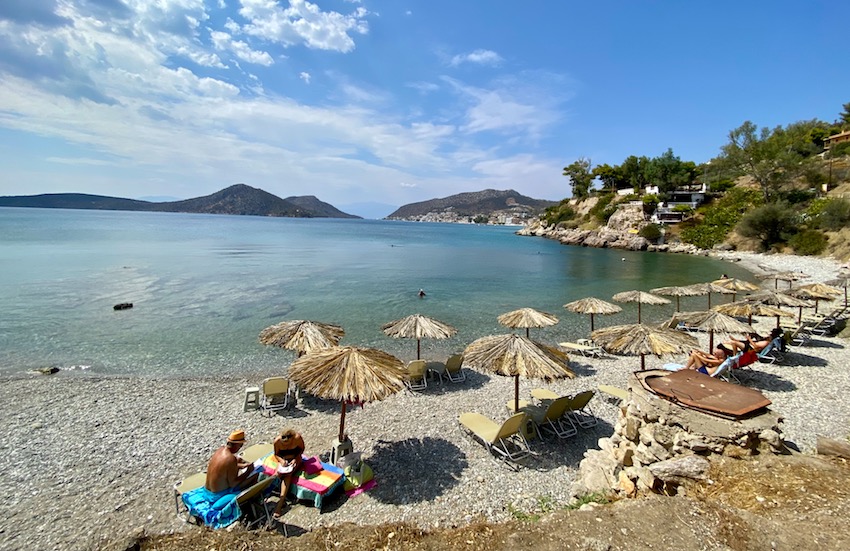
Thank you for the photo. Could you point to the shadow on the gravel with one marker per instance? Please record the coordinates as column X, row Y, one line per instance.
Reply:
column 798, row 359
column 551, row 452
column 474, row 379
column 308, row 401
column 767, row 381
column 582, row 369
column 817, row 343
column 414, row 470
column 288, row 530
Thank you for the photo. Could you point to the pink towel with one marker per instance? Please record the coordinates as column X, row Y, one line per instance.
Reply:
column 312, row 465
column 357, row 491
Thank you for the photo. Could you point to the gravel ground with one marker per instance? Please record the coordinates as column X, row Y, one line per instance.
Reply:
column 92, row 458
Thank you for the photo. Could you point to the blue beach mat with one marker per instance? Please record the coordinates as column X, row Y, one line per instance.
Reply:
column 215, row 509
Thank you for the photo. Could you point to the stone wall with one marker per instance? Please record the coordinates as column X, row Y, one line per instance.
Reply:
column 657, row 445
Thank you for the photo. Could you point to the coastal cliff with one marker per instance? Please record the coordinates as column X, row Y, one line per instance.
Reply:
column 621, row 232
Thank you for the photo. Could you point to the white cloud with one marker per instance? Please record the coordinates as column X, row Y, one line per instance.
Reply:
column 224, row 42
column 303, row 23
column 478, row 57
column 305, row 77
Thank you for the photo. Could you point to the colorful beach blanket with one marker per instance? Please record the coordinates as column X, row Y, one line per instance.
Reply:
column 313, row 483
column 215, row 509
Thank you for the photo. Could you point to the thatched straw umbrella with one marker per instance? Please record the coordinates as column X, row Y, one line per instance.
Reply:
column 816, row 292
column 592, row 306
column 749, row 309
column 641, row 297
column 418, row 327
column 348, row 374
column 707, row 289
column 527, row 317
column 841, row 282
column 639, row 340
column 790, row 277
column 711, row 321
column 302, row 336
column 780, row 299
column 686, row 291
column 513, row 355
column 735, row 285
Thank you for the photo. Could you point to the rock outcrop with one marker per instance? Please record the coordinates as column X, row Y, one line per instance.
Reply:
column 659, row 445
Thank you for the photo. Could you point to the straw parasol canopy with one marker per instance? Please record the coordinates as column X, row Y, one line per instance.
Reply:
column 780, row 299
column 639, row 340
column 686, row 291
column 302, row 336
column 527, row 317
column 749, row 309
column 711, row 321
column 841, row 282
column 817, row 292
column 592, row 306
column 348, row 374
column 418, row 327
column 735, row 285
column 513, row 355
column 790, row 277
column 641, row 297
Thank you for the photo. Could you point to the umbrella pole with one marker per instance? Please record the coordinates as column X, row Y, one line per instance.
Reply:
column 516, row 393
column 799, row 315
column 526, row 333
column 777, row 322
column 638, row 311
column 342, row 423
column 417, row 349
column 677, row 303
column 709, row 300
column 591, row 314
column 642, row 362
column 711, row 340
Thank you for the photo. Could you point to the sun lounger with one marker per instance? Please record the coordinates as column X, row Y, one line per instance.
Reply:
column 256, row 451
column 436, row 368
column 772, row 353
column 416, row 377
column 189, row 483
column 591, row 350
column 454, row 368
column 505, row 439
column 275, row 394
column 578, row 408
column 617, row 394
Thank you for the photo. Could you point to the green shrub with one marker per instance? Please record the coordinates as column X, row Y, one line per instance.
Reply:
column 839, row 150
column 809, row 242
column 687, row 209
column 651, row 232
column 603, row 209
column 559, row 213
column 795, row 196
column 721, row 186
column 834, row 214
column 719, row 218
column 772, row 224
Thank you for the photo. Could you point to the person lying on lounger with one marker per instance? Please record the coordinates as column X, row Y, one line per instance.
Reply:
column 288, row 448
column 707, row 363
column 224, row 466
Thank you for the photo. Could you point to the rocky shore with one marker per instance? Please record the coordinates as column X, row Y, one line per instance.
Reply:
column 90, row 460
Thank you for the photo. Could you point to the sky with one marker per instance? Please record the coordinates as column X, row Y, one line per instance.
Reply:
column 373, row 104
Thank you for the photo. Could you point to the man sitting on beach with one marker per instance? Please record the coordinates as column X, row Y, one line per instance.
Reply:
column 288, row 448
column 707, row 363
column 224, row 466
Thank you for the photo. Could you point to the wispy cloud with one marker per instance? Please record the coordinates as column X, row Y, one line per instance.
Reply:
column 477, row 57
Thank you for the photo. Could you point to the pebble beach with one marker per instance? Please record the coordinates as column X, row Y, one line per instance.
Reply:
column 91, row 459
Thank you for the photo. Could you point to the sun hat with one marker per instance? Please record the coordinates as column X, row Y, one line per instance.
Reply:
column 237, row 437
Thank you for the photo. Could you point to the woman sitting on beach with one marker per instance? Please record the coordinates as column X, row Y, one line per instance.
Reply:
column 288, row 448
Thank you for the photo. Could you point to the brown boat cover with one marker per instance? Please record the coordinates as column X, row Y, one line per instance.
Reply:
column 697, row 390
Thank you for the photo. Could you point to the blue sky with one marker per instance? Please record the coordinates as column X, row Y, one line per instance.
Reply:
column 393, row 101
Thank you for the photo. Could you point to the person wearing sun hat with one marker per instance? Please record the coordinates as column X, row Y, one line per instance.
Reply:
column 224, row 466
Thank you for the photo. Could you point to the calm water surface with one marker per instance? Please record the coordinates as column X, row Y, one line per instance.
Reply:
column 204, row 286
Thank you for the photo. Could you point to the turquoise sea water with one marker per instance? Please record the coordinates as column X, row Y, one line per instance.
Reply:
column 204, row 286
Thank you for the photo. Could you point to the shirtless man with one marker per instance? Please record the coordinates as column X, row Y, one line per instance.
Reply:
column 288, row 448
column 224, row 466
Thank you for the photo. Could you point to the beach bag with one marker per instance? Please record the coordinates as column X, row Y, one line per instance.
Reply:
column 357, row 474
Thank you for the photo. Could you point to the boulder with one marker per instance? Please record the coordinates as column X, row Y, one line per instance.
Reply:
column 680, row 469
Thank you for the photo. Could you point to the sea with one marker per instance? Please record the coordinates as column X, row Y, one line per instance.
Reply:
column 204, row 286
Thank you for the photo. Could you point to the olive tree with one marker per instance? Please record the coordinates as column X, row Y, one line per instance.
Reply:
column 580, row 177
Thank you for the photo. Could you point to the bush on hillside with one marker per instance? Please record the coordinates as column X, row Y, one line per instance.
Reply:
column 603, row 209
column 561, row 212
column 834, row 214
column 719, row 218
column 772, row 224
column 721, row 186
column 839, row 150
column 651, row 232
column 809, row 242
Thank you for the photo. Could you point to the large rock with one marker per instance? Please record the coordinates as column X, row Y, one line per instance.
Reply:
column 689, row 467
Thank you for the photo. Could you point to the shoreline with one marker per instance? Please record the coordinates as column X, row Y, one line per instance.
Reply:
column 126, row 439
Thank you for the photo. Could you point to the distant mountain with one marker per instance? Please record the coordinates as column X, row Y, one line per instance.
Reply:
column 319, row 209
column 237, row 199
column 158, row 198
column 469, row 205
